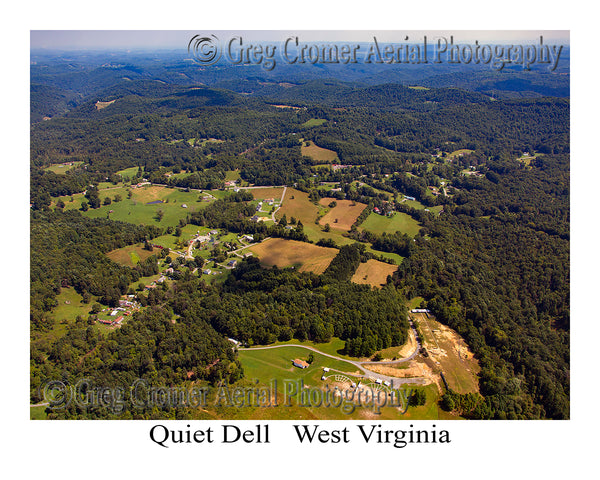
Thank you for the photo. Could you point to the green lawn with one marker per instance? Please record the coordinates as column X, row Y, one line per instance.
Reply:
column 69, row 306
column 274, row 367
column 394, row 256
column 314, row 122
column 138, row 210
column 60, row 169
column 38, row 413
column 398, row 222
column 276, row 363
column 128, row 173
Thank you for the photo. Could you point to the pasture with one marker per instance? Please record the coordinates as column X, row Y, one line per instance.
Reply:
column 128, row 173
column 343, row 215
column 130, row 255
column 318, row 154
column 373, row 273
column 143, row 206
column 314, row 122
column 267, row 192
column 306, row 257
column 61, row 168
column 296, row 204
column 458, row 153
column 399, row 222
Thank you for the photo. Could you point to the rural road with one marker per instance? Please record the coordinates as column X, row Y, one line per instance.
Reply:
column 361, row 365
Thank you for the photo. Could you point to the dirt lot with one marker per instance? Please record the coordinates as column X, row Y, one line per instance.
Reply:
column 449, row 353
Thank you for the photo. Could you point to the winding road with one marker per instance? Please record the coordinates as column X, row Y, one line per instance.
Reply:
column 367, row 374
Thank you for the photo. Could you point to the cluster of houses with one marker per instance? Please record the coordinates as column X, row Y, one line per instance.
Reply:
column 140, row 184
column 126, row 307
column 337, row 166
column 385, row 210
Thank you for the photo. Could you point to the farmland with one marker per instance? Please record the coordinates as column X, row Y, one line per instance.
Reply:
column 318, row 154
column 145, row 203
column 297, row 204
column 343, row 215
column 373, row 272
column 399, row 222
column 129, row 256
column 290, row 253
column 61, row 168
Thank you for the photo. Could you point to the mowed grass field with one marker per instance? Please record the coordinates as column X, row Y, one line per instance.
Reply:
column 128, row 173
column 343, row 215
column 130, row 255
column 60, row 169
column 273, row 368
column 306, row 257
column 314, row 122
column 137, row 209
column 373, row 272
column 318, row 154
column 296, row 204
column 398, row 222
column 458, row 153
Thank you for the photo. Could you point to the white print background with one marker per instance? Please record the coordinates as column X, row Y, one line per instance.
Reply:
column 87, row 449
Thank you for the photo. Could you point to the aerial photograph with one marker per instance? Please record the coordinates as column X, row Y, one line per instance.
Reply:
column 304, row 225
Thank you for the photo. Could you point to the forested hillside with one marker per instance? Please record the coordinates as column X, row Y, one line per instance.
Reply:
column 466, row 192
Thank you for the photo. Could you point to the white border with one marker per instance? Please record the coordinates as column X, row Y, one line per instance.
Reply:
column 479, row 449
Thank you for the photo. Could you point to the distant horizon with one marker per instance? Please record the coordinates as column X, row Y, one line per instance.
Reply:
column 168, row 40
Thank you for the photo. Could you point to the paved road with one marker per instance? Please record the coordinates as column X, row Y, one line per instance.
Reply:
column 280, row 204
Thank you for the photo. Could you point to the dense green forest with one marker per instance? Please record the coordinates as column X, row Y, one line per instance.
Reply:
column 491, row 261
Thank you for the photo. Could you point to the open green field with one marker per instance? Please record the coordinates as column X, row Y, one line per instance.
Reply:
column 318, row 154
column 398, row 222
column 138, row 210
column 128, row 173
column 458, row 153
column 59, row 168
column 232, row 175
column 38, row 413
column 394, row 256
column 273, row 367
column 314, row 122
column 277, row 363
column 414, row 204
column 69, row 306
column 170, row 241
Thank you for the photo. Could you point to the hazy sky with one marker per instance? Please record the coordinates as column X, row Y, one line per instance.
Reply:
column 175, row 39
